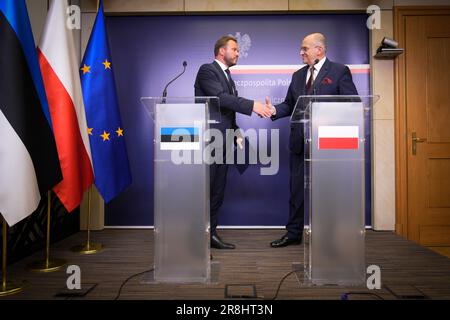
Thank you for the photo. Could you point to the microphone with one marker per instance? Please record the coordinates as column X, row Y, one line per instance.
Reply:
column 165, row 88
column 314, row 84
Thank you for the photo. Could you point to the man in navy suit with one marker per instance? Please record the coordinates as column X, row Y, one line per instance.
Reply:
column 320, row 76
column 214, row 79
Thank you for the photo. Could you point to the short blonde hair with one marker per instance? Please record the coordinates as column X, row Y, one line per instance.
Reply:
column 222, row 42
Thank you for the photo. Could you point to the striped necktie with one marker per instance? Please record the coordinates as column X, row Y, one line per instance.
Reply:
column 311, row 79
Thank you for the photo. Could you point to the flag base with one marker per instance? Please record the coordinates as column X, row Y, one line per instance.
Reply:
column 11, row 288
column 49, row 265
column 87, row 248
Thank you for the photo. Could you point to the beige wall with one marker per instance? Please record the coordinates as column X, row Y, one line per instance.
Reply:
column 37, row 10
column 211, row 6
column 382, row 72
column 383, row 157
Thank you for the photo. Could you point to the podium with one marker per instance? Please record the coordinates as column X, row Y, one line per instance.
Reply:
column 181, row 187
column 334, row 234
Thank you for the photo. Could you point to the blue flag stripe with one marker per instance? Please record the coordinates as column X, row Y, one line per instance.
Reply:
column 16, row 13
column 179, row 130
column 21, row 106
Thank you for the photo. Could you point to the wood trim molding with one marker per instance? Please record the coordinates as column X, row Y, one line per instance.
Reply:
column 401, row 139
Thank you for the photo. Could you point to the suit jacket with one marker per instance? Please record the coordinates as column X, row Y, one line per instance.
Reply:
column 333, row 79
column 211, row 81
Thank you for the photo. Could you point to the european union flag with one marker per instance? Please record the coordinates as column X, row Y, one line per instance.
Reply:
column 106, row 133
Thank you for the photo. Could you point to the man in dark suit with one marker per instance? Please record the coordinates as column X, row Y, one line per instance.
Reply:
column 214, row 79
column 320, row 76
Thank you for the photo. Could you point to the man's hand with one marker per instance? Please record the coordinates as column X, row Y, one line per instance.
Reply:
column 239, row 142
column 263, row 110
column 270, row 106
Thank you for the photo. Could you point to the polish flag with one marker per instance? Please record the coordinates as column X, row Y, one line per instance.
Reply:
column 338, row 137
column 59, row 67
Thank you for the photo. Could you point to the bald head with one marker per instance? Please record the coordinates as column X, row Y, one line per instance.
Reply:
column 317, row 39
column 313, row 47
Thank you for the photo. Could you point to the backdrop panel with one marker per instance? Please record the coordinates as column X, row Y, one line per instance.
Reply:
column 148, row 51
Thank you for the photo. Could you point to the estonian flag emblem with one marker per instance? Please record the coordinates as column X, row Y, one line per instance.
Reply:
column 180, row 138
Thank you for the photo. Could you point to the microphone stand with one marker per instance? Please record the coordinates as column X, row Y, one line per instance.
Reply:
column 165, row 88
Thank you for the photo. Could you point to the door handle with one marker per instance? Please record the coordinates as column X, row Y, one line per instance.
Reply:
column 415, row 141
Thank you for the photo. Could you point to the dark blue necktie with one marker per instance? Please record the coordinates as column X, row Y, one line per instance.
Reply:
column 230, row 81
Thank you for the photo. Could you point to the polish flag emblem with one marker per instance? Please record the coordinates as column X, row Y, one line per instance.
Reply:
column 338, row 137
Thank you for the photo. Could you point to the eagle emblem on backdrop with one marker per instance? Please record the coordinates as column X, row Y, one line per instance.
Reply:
column 244, row 42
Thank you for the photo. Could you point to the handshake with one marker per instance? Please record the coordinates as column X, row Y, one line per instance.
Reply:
column 264, row 110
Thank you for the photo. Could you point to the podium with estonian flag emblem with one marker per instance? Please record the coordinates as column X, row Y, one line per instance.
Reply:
column 181, row 187
column 335, row 187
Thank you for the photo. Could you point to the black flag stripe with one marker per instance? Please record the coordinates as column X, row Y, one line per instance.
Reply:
column 19, row 102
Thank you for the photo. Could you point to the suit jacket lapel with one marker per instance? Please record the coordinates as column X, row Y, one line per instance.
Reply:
column 303, row 76
column 224, row 78
column 321, row 75
column 233, row 86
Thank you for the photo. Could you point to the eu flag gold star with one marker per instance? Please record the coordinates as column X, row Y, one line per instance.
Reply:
column 90, row 131
column 119, row 132
column 107, row 64
column 86, row 69
column 105, row 136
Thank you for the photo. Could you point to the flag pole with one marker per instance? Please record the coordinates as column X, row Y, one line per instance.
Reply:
column 7, row 287
column 88, row 247
column 47, row 265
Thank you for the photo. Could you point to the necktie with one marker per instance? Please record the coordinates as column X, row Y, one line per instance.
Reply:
column 229, row 80
column 311, row 79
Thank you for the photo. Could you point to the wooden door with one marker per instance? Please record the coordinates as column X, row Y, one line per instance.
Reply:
column 427, row 103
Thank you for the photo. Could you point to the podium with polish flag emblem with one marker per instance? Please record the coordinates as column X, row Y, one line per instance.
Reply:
column 336, row 132
column 181, row 188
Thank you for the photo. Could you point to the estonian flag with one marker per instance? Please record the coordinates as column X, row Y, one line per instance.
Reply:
column 29, row 165
column 180, row 138
column 106, row 132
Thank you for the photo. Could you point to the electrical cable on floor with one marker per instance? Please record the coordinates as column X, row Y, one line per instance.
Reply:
column 345, row 295
column 128, row 279
column 278, row 289
column 281, row 282
column 420, row 296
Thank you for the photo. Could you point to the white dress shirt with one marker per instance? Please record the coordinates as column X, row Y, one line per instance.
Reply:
column 224, row 67
column 317, row 68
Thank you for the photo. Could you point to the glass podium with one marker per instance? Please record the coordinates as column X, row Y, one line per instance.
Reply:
column 181, row 187
column 334, row 234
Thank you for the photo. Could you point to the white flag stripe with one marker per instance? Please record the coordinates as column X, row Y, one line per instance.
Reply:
column 288, row 67
column 58, row 47
column 19, row 191
column 266, row 67
column 338, row 131
column 180, row 145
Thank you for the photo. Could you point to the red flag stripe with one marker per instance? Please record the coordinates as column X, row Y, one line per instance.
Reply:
column 338, row 143
column 283, row 71
column 74, row 159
